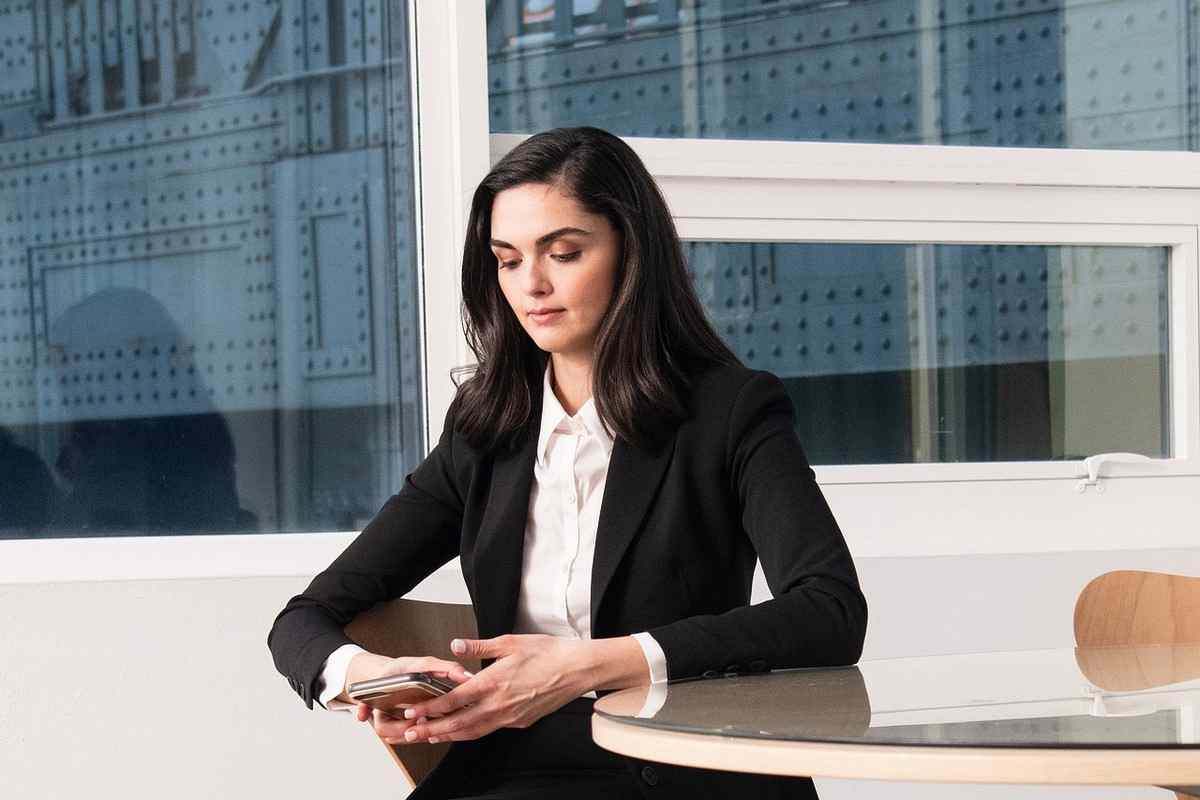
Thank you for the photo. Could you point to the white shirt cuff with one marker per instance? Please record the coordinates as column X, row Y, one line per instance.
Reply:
column 333, row 675
column 655, row 657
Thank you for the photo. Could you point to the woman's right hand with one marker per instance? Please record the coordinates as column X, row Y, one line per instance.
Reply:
column 365, row 666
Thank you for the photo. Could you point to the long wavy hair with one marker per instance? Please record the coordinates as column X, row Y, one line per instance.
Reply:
column 654, row 336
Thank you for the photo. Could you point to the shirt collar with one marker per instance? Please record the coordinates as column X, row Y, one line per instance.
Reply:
column 555, row 417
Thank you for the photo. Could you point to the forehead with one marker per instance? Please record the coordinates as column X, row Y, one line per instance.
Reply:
column 527, row 211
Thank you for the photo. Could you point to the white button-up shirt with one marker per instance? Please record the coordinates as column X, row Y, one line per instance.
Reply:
column 569, row 474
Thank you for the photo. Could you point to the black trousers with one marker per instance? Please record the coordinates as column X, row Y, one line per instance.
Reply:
column 556, row 758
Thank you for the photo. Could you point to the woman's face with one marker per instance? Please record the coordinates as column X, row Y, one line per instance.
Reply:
column 557, row 265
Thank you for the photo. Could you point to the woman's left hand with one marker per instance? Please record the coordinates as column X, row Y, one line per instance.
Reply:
column 533, row 675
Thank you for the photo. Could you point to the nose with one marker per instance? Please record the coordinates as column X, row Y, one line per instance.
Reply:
column 535, row 282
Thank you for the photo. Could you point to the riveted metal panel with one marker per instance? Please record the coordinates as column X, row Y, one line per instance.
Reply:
column 148, row 30
column 335, row 269
column 320, row 90
column 385, row 42
column 295, row 47
column 59, row 57
column 131, row 72
column 817, row 309
column 184, row 27
column 92, row 33
column 17, row 53
column 149, row 262
column 164, row 19
column 354, row 87
column 110, row 39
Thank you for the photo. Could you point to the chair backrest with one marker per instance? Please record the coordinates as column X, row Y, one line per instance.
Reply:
column 1130, row 607
column 415, row 628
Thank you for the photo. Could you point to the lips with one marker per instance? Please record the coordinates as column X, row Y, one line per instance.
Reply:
column 545, row 313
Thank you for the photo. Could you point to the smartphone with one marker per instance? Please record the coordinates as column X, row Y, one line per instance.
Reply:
column 398, row 691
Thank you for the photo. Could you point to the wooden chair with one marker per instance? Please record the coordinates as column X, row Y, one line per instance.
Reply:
column 411, row 628
column 1134, row 609
column 1128, row 608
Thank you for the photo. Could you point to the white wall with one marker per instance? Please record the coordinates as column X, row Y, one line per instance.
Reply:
column 151, row 689
column 144, row 686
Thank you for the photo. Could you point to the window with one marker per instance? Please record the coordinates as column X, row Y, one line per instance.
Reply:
column 209, row 302
column 900, row 353
column 1025, row 73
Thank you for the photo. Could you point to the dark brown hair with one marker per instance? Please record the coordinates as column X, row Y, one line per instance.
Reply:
column 654, row 336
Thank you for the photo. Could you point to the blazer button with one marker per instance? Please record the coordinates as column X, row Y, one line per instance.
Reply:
column 758, row 665
column 735, row 668
column 710, row 673
column 650, row 776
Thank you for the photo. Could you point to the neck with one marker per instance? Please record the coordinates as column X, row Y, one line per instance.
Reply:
column 571, row 379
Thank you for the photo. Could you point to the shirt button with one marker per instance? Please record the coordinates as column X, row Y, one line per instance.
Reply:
column 650, row 776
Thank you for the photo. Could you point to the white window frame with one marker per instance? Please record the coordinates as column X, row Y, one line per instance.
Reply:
column 885, row 510
column 722, row 190
column 448, row 82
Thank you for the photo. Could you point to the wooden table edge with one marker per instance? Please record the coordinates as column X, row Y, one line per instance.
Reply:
column 932, row 764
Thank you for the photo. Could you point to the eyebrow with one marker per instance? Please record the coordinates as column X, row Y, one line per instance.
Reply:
column 546, row 238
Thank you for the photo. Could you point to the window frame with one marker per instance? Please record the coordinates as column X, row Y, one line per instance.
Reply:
column 721, row 190
column 449, row 90
column 455, row 149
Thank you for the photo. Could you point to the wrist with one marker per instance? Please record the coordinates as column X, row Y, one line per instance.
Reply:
column 363, row 666
column 616, row 663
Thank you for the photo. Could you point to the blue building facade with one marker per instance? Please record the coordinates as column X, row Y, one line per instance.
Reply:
column 209, row 303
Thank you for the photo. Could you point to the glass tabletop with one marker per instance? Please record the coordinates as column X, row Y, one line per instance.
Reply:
column 1116, row 697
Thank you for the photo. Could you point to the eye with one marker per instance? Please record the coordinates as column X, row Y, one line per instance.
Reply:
column 507, row 264
column 565, row 256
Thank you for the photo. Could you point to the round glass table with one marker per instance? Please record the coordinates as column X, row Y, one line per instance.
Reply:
column 1111, row 715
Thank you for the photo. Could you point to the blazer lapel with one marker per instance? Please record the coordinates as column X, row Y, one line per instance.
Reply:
column 630, row 486
column 500, row 543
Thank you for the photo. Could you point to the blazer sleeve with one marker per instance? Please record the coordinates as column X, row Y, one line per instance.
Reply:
column 416, row 531
column 817, row 615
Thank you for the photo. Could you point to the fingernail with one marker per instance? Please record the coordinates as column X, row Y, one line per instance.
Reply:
column 458, row 646
column 409, row 713
column 410, row 736
column 468, row 674
column 433, row 740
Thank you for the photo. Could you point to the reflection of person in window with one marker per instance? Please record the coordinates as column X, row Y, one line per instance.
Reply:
column 608, row 525
column 27, row 490
column 156, row 475
column 170, row 474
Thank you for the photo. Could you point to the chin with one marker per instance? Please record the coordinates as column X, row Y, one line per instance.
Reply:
column 551, row 344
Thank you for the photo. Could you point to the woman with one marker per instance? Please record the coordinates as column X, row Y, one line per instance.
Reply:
column 609, row 475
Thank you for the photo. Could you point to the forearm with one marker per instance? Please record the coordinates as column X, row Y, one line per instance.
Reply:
column 821, row 624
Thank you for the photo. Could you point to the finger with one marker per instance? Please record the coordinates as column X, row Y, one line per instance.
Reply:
column 464, row 695
column 469, row 723
column 481, row 648
column 439, row 666
column 398, row 736
column 389, row 726
column 362, row 711
column 459, row 675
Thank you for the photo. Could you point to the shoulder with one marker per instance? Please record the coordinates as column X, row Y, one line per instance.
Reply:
column 723, row 387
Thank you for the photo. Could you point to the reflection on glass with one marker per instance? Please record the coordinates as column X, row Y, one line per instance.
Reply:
column 1030, row 698
column 1049, row 73
column 207, row 290
column 933, row 353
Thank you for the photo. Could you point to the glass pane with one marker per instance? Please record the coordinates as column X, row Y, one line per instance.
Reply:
column 898, row 353
column 208, row 309
column 1097, row 697
column 1030, row 73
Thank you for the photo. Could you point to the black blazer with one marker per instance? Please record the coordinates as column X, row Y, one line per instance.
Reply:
column 680, row 527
